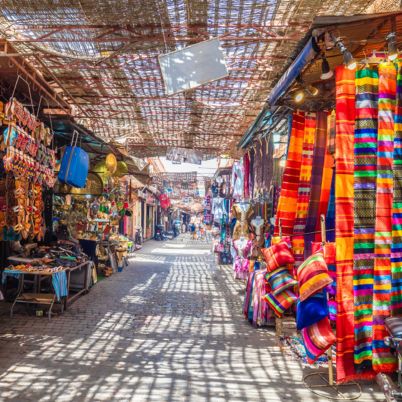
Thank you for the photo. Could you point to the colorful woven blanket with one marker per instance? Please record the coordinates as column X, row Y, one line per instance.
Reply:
column 365, row 175
column 304, row 191
column 396, row 247
column 327, row 185
column 288, row 198
column 344, row 156
column 383, row 360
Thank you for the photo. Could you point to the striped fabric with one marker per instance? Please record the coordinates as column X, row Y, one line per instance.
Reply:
column 329, row 251
column 278, row 255
column 288, row 198
column 328, row 184
column 396, row 248
column 313, row 276
column 365, row 150
column 316, row 196
column 344, row 193
column 304, row 191
column 281, row 302
column 247, row 304
column 317, row 338
column 280, row 280
column 383, row 360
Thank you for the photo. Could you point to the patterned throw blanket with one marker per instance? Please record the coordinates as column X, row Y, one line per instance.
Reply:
column 365, row 176
column 396, row 248
column 304, row 190
column 288, row 198
column 319, row 158
column 344, row 156
column 383, row 360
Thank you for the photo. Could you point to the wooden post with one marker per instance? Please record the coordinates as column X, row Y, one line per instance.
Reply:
column 329, row 351
column 279, row 321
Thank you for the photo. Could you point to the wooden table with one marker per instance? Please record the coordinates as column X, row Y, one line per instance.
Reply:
column 36, row 297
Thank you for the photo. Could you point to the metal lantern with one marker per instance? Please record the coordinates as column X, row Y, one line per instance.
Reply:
column 111, row 163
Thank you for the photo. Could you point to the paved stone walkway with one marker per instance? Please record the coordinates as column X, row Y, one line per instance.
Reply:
column 168, row 328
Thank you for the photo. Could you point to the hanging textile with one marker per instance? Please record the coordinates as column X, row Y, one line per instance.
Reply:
column 257, row 168
column 290, row 183
column 330, row 215
column 344, row 156
column 304, row 190
column 320, row 148
column 267, row 162
column 396, row 247
column 328, row 183
column 251, row 154
column 238, row 180
column 246, row 167
column 383, row 360
column 365, row 168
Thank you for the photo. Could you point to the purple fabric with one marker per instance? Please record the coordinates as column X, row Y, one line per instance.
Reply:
column 252, row 157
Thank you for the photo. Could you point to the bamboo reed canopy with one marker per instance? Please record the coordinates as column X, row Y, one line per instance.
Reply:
column 102, row 57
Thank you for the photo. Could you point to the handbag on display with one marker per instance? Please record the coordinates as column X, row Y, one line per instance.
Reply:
column 74, row 165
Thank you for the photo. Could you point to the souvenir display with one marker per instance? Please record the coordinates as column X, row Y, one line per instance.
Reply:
column 26, row 141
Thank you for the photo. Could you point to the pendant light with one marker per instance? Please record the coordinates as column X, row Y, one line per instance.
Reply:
column 348, row 59
column 326, row 72
column 392, row 49
column 299, row 96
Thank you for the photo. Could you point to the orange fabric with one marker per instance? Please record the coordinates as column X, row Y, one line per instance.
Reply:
column 287, row 204
column 344, row 193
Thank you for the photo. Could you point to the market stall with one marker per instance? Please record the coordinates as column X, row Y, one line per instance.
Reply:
column 332, row 260
column 50, row 274
column 95, row 215
column 47, row 197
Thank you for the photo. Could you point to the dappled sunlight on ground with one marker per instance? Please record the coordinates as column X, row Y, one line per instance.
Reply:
column 168, row 328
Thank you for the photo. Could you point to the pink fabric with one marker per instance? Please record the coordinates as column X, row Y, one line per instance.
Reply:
column 241, row 262
column 241, row 267
column 246, row 167
column 261, row 312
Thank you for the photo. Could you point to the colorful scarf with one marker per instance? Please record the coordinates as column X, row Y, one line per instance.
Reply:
column 345, row 122
column 396, row 247
column 320, row 151
column 365, row 172
column 304, row 191
column 257, row 168
column 267, row 162
column 328, row 183
column 287, row 203
column 383, row 360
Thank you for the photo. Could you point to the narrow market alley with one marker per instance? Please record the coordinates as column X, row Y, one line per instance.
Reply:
column 168, row 328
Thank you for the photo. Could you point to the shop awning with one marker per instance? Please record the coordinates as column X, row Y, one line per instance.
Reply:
column 361, row 34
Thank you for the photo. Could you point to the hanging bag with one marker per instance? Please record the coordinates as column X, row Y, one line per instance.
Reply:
column 74, row 165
